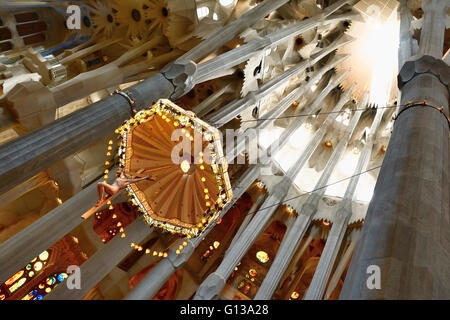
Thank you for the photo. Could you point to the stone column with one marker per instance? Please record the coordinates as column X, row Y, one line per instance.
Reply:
column 212, row 101
column 157, row 277
column 342, row 264
column 26, row 156
column 292, row 269
column 326, row 262
column 21, row 248
column 433, row 28
column 296, row 94
column 342, row 216
column 286, row 102
column 298, row 121
column 295, row 234
column 407, row 219
column 214, row 283
column 21, row 189
column 208, row 69
column 227, row 33
column 36, row 151
column 102, row 262
column 236, row 107
column 407, row 45
column 247, row 218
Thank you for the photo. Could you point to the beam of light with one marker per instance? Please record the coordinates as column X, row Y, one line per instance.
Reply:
column 381, row 49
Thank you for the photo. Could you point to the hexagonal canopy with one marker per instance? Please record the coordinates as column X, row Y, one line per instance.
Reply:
column 184, row 154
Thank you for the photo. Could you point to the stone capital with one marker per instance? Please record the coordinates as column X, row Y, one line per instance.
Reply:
column 181, row 74
column 436, row 5
column 308, row 209
column 178, row 260
column 425, row 64
column 282, row 188
column 211, row 287
column 31, row 103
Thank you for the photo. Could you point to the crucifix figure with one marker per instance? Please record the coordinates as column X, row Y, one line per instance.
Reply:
column 119, row 184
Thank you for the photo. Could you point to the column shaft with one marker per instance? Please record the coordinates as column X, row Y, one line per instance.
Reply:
column 294, row 235
column 406, row 42
column 433, row 28
column 236, row 107
column 298, row 121
column 247, row 219
column 36, row 151
column 21, row 248
column 102, row 262
column 408, row 215
column 342, row 264
column 292, row 269
column 326, row 262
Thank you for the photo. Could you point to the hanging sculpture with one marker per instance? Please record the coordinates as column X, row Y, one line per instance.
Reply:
column 176, row 172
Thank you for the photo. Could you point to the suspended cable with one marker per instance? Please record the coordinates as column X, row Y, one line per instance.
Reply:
column 314, row 114
column 315, row 190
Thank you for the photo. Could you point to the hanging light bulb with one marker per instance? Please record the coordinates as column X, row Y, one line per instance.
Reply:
column 185, row 166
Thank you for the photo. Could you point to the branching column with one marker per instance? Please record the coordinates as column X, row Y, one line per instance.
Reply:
column 208, row 70
column 21, row 248
column 215, row 282
column 102, row 262
column 309, row 208
column 26, row 156
column 287, row 101
column 293, row 268
column 236, row 107
column 259, row 201
column 343, row 262
column 298, row 121
column 341, row 218
column 406, row 224
column 407, row 45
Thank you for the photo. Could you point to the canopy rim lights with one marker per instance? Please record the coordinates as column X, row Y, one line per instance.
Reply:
column 215, row 171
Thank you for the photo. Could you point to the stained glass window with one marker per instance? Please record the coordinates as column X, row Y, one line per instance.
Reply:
column 46, row 286
column 30, row 271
